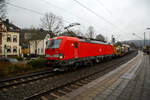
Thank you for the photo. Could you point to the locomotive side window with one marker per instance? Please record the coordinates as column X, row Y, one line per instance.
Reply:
column 53, row 43
column 76, row 45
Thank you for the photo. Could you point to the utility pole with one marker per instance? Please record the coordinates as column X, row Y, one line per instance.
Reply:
column 144, row 39
column 149, row 34
column 149, row 40
column 139, row 38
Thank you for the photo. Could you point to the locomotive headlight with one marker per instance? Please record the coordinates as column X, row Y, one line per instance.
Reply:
column 61, row 56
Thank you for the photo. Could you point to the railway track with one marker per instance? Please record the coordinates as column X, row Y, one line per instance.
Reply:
column 64, row 88
column 25, row 79
column 55, row 84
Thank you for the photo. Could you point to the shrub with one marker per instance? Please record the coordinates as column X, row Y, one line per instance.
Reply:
column 7, row 68
column 10, row 69
column 19, row 58
column 39, row 62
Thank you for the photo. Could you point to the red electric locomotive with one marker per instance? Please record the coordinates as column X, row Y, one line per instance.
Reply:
column 64, row 50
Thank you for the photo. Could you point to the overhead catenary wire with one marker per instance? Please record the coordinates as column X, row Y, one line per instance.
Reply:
column 104, row 7
column 27, row 9
column 101, row 3
column 60, row 8
column 30, row 10
column 100, row 17
column 66, row 11
column 90, row 10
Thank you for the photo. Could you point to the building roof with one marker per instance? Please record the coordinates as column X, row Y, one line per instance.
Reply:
column 9, row 26
column 35, row 34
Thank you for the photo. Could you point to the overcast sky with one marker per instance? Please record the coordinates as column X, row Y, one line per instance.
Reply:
column 122, row 17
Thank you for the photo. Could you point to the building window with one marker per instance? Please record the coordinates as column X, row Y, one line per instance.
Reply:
column 8, row 49
column 41, row 50
column 8, row 38
column 0, row 49
column 15, row 49
column 15, row 38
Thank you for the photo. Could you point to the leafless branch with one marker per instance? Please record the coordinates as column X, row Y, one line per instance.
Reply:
column 91, row 32
column 52, row 23
column 2, row 9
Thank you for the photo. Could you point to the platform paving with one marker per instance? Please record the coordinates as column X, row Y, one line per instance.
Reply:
column 131, row 81
column 139, row 87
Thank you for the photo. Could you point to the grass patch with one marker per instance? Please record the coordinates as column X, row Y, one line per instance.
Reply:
column 8, row 69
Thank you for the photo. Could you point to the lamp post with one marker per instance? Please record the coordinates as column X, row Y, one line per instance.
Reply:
column 144, row 39
column 148, row 29
column 139, row 38
column 149, row 38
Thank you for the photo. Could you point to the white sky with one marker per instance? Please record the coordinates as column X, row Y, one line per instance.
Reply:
column 128, row 16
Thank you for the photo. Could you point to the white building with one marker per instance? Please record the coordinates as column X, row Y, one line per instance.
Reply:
column 38, row 46
column 9, row 39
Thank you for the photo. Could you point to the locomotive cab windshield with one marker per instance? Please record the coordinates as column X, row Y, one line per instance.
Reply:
column 53, row 43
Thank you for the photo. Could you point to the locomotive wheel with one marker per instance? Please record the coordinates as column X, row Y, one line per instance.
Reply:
column 97, row 60
column 91, row 63
column 75, row 66
column 69, row 67
column 85, row 63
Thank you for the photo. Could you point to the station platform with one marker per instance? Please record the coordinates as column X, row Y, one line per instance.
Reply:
column 130, row 81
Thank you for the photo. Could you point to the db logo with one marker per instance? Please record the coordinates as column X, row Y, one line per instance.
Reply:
column 100, row 50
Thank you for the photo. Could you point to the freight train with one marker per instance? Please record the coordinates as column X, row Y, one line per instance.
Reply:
column 67, row 53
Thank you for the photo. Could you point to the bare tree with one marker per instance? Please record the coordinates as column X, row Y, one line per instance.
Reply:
column 52, row 23
column 2, row 9
column 106, row 39
column 100, row 38
column 79, row 33
column 91, row 32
